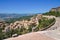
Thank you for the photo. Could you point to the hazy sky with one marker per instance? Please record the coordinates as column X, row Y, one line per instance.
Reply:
column 27, row 6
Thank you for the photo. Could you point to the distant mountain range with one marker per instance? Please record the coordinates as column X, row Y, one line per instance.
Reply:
column 10, row 16
column 13, row 15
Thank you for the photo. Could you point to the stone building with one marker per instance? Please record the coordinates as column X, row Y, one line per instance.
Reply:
column 58, row 9
column 55, row 9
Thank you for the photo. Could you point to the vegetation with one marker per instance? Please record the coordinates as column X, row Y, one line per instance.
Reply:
column 44, row 23
column 1, row 35
column 57, row 14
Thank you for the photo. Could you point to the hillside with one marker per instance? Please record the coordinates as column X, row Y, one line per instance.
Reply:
column 25, row 24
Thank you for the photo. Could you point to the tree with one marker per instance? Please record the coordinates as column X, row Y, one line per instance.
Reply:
column 1, row 34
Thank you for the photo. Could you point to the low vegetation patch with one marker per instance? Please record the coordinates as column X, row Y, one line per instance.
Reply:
column 57, row 14
column 45, row 23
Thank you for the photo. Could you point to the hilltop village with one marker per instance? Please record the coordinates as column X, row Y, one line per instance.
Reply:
column 24, row 23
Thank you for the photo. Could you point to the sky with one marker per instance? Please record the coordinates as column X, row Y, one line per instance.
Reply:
column 27, row 6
